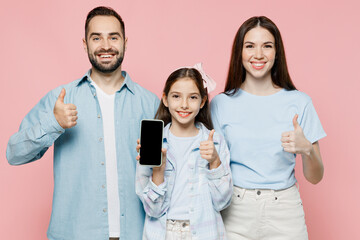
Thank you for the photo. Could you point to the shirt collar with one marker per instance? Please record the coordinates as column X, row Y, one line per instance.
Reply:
column 128, row 83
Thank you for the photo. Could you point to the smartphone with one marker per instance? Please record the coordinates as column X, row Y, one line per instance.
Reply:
column 151, row 139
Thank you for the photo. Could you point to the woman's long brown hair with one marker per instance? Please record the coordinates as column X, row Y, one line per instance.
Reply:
column 237, row 73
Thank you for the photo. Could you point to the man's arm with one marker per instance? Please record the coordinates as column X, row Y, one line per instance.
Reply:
column 40, row 128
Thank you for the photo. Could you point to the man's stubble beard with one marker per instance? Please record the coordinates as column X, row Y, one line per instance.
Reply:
column 106, row 68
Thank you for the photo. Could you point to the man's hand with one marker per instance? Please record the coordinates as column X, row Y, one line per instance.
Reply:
column 65, row 114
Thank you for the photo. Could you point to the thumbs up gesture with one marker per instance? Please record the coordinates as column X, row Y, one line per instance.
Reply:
column 65, row 114
column 208, row 151
column 295, row 141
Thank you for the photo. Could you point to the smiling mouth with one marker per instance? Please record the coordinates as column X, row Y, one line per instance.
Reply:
column 258, row 65
column 184, row 114
column 106, row 56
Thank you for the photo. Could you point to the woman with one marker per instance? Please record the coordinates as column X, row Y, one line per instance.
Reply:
column 266, row 122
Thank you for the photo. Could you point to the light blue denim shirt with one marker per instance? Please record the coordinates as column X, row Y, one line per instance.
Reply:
column 79, row 202
column 210, row 191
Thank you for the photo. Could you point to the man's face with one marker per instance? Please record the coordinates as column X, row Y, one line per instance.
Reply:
column 105, row 43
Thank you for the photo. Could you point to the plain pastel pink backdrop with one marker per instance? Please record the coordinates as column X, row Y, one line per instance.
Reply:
column 41, row 48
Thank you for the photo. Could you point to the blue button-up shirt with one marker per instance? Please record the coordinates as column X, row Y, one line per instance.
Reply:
column 79, row 202
column 209, row 191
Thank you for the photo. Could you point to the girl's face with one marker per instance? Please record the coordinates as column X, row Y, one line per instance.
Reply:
column 184, row 102
column 258, row 54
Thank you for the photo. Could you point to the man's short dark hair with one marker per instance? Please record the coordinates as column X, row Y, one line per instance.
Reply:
column 103, row 11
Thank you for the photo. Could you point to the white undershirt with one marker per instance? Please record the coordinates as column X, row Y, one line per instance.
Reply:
column 107, row 111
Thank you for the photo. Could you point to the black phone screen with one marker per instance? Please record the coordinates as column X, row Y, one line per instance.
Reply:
column 151, row 139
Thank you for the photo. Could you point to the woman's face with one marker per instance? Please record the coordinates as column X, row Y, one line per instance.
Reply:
column 258, row 54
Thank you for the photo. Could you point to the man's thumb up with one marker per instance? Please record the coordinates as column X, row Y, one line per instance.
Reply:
column 65, row 114
column 61, row 95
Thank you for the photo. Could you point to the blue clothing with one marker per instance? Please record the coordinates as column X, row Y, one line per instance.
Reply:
column 252, row 126
column 209, row 191
column 79, row 209
column 179, row 202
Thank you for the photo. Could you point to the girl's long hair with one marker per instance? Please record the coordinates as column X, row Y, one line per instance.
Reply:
column 203, row 116
column 237, row 73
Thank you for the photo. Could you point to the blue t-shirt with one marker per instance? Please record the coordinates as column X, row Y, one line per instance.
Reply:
column 180, row 201
column 252, row 126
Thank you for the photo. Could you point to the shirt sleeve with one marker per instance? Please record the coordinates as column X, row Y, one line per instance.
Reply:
column 156, row 105
column 215, row 116
column 311, row 125
column 220, row 179
column 153, row 197
column 38, row 131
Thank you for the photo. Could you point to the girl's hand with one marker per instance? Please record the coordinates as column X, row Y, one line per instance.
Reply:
column 208, row 151
column 138, row 149
column 158, row 172
column 163, row 150
column 163, row 162
column 295, row 141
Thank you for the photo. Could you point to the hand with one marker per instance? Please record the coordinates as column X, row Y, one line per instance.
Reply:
column 295, row 141
column 208, row 151
column 65, row 114
column 155, row 169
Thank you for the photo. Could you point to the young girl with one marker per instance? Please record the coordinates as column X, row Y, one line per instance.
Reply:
column 272, row 122
column 182, row 198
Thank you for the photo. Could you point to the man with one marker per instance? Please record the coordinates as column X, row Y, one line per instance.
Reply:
column 93, row 123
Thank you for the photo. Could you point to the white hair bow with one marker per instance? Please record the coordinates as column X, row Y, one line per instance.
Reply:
column 209, row 83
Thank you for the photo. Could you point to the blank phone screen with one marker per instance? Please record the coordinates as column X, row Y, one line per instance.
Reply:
column 151, row 142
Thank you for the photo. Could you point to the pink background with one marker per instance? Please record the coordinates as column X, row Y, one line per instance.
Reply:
column 41, row 48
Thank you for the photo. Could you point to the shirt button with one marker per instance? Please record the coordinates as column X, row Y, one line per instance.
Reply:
column 103, row 186
column 100, row 139
column 258, row 192
column 102, row 163
column 94, row 94
column 104, row 210
column 99, row 116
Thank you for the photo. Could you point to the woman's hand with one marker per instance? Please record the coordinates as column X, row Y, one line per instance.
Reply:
column 295, row 141
column 208, row 151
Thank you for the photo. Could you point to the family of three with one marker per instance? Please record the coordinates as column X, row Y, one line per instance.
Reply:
column 228, row 166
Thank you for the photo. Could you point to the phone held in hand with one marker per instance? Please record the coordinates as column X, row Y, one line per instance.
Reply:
column 151, row 139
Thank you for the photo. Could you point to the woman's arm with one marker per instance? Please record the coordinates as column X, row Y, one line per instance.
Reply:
column 296, row 142
column 313, row 167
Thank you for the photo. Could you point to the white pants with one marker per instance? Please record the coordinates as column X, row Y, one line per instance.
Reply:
column 265, row 214
column 178, row 230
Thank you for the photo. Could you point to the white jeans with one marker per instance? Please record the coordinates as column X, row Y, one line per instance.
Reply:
column 178, row 230
column 265, row 214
